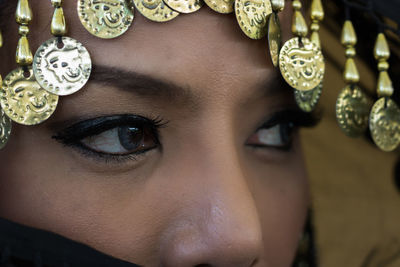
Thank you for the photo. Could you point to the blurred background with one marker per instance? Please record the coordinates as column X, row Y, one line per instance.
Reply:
column 356, row 201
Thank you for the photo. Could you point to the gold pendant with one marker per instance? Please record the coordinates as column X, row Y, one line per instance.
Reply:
column 352, row 111
column 106, row 18
column 252, row 16
column 155, row 10
column 5, row 129
column 274, row 38
column 384, row 123
column 24, row 101
column 221, row 6
column 62, row 71
column 184, row 6
column 308, row 100
column 302, row 65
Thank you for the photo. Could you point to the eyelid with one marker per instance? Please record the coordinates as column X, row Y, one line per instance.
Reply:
column 86, row 128
column 295, row 116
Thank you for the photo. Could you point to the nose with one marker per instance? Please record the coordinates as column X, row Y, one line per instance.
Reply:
column 219, row 225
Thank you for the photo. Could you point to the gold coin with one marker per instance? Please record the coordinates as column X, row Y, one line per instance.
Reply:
column 252, row 16
column 24, row 101
column 184, row 6
column 384, row 124
column 106, row 18
column 5, row 128
column 302, row 64
column 155, row 10
column 308, row 100
column 274, row 38
column 221, row 6
column 352, row 111
column 62, row 71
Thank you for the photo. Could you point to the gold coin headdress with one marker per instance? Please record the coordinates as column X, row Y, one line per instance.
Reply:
column 23, row 100
column 62, row 65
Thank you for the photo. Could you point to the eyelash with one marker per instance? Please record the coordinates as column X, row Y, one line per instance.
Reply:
column 291, row 118
column 73, row 135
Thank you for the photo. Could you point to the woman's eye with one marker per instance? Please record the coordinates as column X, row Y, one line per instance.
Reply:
column 122, row 140
column 278, row 136
column 116, row 137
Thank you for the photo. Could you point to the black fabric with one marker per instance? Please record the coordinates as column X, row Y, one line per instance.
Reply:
column 24, row 246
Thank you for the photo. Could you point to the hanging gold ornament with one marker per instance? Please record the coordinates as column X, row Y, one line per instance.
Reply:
column 62, row 71
column 21, row 97
column 301, row 61
column 274, row 38
column 105, row 18
column 302, row 64
column 62, row 65
column 352, row 105
column 252, row 16
column 317, row 15
column 384, row 120
column 184, row 6
column 5, row 129
column 308, row 100
column 155, row 10
column 385, row 124
column 23, row 100
column 221, row 6
column 352, row 111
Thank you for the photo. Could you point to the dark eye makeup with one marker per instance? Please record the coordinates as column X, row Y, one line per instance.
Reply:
column 280, row 128
column 125, row 137
column 135, row 134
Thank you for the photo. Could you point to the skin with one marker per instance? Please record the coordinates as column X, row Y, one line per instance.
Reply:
column 205, row 197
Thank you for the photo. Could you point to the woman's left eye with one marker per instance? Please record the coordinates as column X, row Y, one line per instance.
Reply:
column 277, row 136
column 121, row 140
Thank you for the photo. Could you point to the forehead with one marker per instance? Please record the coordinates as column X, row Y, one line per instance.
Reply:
column 198, row 50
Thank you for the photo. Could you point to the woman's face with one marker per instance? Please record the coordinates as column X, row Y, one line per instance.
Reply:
column 180, row 150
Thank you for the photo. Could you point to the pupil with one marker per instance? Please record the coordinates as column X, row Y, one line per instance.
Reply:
column 131, row 138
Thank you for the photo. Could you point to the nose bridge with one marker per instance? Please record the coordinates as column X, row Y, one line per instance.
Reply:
column 220, row 226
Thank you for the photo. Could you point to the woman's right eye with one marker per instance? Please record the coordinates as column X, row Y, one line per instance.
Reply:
column 122, row 140
column 113, row 136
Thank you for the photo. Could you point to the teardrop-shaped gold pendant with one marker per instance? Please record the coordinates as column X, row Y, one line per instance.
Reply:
column 274, row 38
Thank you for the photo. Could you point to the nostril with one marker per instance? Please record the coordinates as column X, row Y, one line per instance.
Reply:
column 203, row 265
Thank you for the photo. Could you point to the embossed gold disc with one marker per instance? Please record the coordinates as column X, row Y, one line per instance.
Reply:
column 384, row 124
column 62, row 71
column 252, row 16
column 274, row 38
column 106, row 18
column 24, row 101
column 5, row 129
column 308, row 100
column 221, row 6
column 155, row 10
column 352, row 111
column 302, row 67
column 184, row 6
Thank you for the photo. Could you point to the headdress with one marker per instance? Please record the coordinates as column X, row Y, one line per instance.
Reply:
column 62, row 66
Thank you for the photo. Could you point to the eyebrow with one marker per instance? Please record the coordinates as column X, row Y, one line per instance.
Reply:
column 152, row 87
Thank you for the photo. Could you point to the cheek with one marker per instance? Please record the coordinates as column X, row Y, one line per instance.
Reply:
column 282, row 199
